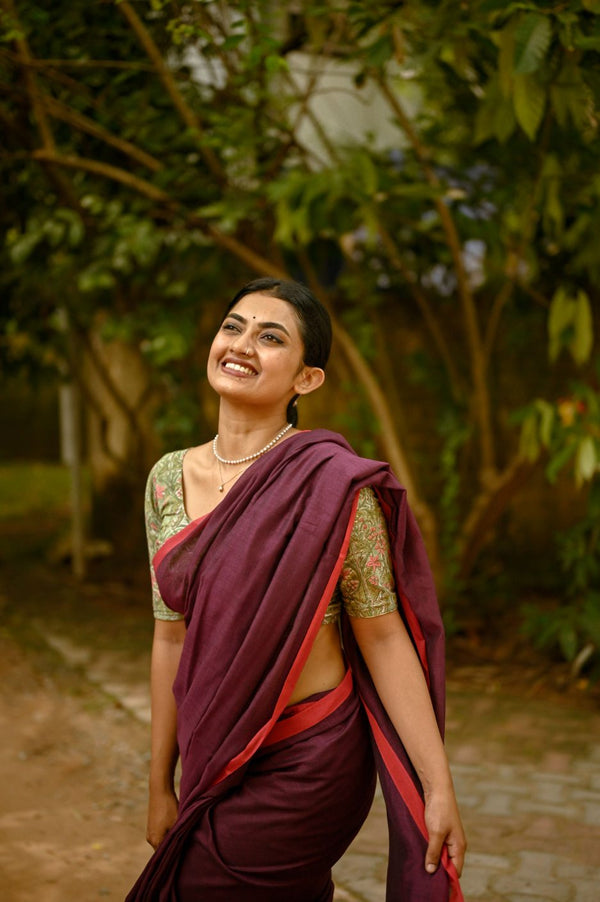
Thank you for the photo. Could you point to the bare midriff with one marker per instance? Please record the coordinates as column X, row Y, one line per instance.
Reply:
column 325, row 666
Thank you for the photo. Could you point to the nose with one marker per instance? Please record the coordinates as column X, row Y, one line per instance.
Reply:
column 241, row 344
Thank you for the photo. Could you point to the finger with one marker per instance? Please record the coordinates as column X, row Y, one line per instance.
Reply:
column 434, row 850
column 456, row 852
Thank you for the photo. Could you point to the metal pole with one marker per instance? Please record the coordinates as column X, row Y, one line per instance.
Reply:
column 70, row 435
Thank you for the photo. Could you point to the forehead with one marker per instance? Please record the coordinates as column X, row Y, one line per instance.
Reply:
column 264, row 308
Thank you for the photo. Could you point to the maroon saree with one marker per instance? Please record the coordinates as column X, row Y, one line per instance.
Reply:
column 271, row 796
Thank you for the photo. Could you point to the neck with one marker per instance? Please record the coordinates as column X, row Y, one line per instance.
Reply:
column 241, row 436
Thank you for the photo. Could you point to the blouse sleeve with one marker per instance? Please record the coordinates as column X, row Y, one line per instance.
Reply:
column 153, row 524
column 367, row 581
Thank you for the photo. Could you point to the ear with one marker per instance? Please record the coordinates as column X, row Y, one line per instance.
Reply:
column 308, row 380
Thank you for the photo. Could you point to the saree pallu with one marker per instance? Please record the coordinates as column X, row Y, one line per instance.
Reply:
column 253, row 581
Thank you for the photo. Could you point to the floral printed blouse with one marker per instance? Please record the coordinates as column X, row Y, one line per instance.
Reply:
column 365, row 587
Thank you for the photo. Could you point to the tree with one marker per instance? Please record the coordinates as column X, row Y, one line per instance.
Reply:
column 159, row 152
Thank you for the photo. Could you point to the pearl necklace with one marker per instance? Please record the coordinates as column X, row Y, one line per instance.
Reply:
column 242, row 460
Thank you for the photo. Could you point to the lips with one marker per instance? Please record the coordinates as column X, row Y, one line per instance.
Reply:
column 232, row 366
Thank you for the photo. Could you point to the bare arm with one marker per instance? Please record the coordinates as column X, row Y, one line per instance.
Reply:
column 398, row 677
column 166, row 652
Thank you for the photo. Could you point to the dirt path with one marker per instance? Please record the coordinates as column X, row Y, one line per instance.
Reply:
column 72, row 787
column 74, row 758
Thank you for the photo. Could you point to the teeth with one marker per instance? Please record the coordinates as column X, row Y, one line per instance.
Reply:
column 239, row 369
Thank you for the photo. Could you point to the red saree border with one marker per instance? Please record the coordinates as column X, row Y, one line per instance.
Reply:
column 173, row 541
column 308, row 714
column 296, row 668
column 414, row 628
column 411, row 798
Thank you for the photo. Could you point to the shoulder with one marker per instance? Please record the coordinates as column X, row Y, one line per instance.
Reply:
column 336, row 454
column 326, row 445
column 165, row 471
column 168, row 461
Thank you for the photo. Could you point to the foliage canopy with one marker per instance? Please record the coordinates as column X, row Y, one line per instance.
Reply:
column 430, row 167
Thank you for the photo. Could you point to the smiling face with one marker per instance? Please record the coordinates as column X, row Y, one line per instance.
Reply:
column 257, row 356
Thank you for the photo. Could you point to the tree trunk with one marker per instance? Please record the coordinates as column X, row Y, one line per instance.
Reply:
column 121, row 441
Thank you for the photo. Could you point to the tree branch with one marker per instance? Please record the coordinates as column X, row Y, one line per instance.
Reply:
column 147, row 189
column 84, row 64
column 320, row 131
column 70, row 161
column 515, row 256
column 66, row 114
column 487, row 509
column 481, row 399
column 33, row 92
column 186, row 113
column 292, row 139
column 493, row 323
column 39, row 113
column 426, row 311
column 77, row 86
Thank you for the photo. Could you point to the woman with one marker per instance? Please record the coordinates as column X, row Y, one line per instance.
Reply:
column 297, row 644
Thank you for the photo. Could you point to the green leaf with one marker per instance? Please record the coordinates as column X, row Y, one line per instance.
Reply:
column 275, row 63
column 484, row 121
column 415, row 190
column 380, row 51
column 75, row 227
column 504, row 121
column 570, row 325
column 495, row 116
column 232, row 41
column 570, row 97
column 567, row 639
column 553, row 209
column 529, row 445
column 586, row 460
column 560, row 318
column 560, row 100
column 367, row 173
column 170, row 345
column 560, row 460
column 583, row 339
column 532, row 39
column 95, row 279
column 546, row 414
column 587, row 42
column 506, row 56
column 284, row 228
column 529, row 100
column 21, row 249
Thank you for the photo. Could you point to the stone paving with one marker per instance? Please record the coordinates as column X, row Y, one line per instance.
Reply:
column 527, row 776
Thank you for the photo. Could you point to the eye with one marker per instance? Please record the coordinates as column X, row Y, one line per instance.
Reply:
column 270, row 337
column 230, row 327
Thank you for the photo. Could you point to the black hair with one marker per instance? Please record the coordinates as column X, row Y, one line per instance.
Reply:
column 313, row 319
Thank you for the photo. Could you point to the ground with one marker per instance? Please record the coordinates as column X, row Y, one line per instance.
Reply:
column 72, row 785
column 74, row 755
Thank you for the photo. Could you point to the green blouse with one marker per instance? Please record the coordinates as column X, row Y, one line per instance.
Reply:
column 366, row 585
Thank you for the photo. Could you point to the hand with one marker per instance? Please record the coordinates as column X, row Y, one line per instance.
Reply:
column 162, row 814
column 444, row 826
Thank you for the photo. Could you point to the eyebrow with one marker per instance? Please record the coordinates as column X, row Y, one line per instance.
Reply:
column 266, row 325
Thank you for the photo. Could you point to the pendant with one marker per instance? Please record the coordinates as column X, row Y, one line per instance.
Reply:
column 220, row 488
